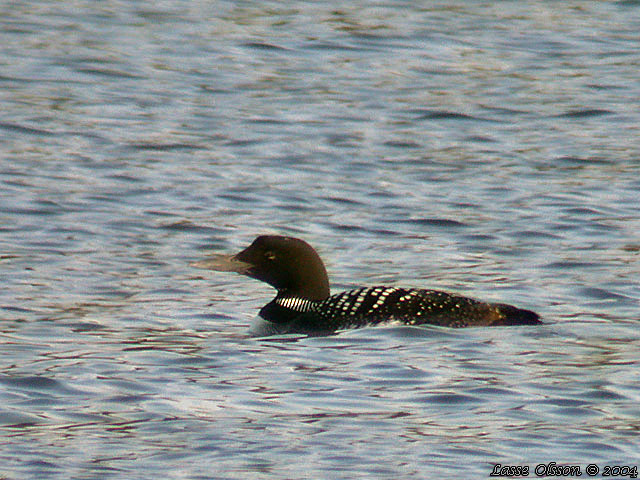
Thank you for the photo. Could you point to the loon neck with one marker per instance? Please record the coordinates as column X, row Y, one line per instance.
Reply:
column 297, row 304
column 310, row 284
column 285, row 309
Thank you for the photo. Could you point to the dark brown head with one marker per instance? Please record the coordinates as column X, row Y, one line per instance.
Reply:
column 288, row 264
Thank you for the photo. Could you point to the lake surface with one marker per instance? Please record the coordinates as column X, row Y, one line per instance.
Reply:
column 489, row 149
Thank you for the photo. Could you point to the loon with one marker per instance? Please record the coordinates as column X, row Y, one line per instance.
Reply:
column 304, row 305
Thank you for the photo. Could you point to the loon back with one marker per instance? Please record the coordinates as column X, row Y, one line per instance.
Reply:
column 303, row 303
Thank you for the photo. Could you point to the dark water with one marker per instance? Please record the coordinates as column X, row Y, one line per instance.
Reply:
column 488, row 149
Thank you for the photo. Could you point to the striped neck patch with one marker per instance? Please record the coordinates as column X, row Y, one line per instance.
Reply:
column 294, row 303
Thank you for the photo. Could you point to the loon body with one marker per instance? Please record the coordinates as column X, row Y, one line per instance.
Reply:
column 303, row 303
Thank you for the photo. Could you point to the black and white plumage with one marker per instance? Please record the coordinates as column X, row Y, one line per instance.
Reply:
column 303, row 303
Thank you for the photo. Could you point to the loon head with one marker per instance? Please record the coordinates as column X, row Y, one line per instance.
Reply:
column 288, row 264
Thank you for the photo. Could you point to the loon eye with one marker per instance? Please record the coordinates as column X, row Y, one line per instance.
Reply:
column 269, row 256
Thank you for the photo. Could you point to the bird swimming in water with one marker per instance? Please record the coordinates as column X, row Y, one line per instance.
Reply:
column 303, row 303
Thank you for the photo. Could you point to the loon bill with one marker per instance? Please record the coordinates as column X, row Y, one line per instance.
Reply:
column 303, row 303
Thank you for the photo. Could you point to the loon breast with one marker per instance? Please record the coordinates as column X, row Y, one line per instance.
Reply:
column 260, row 327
